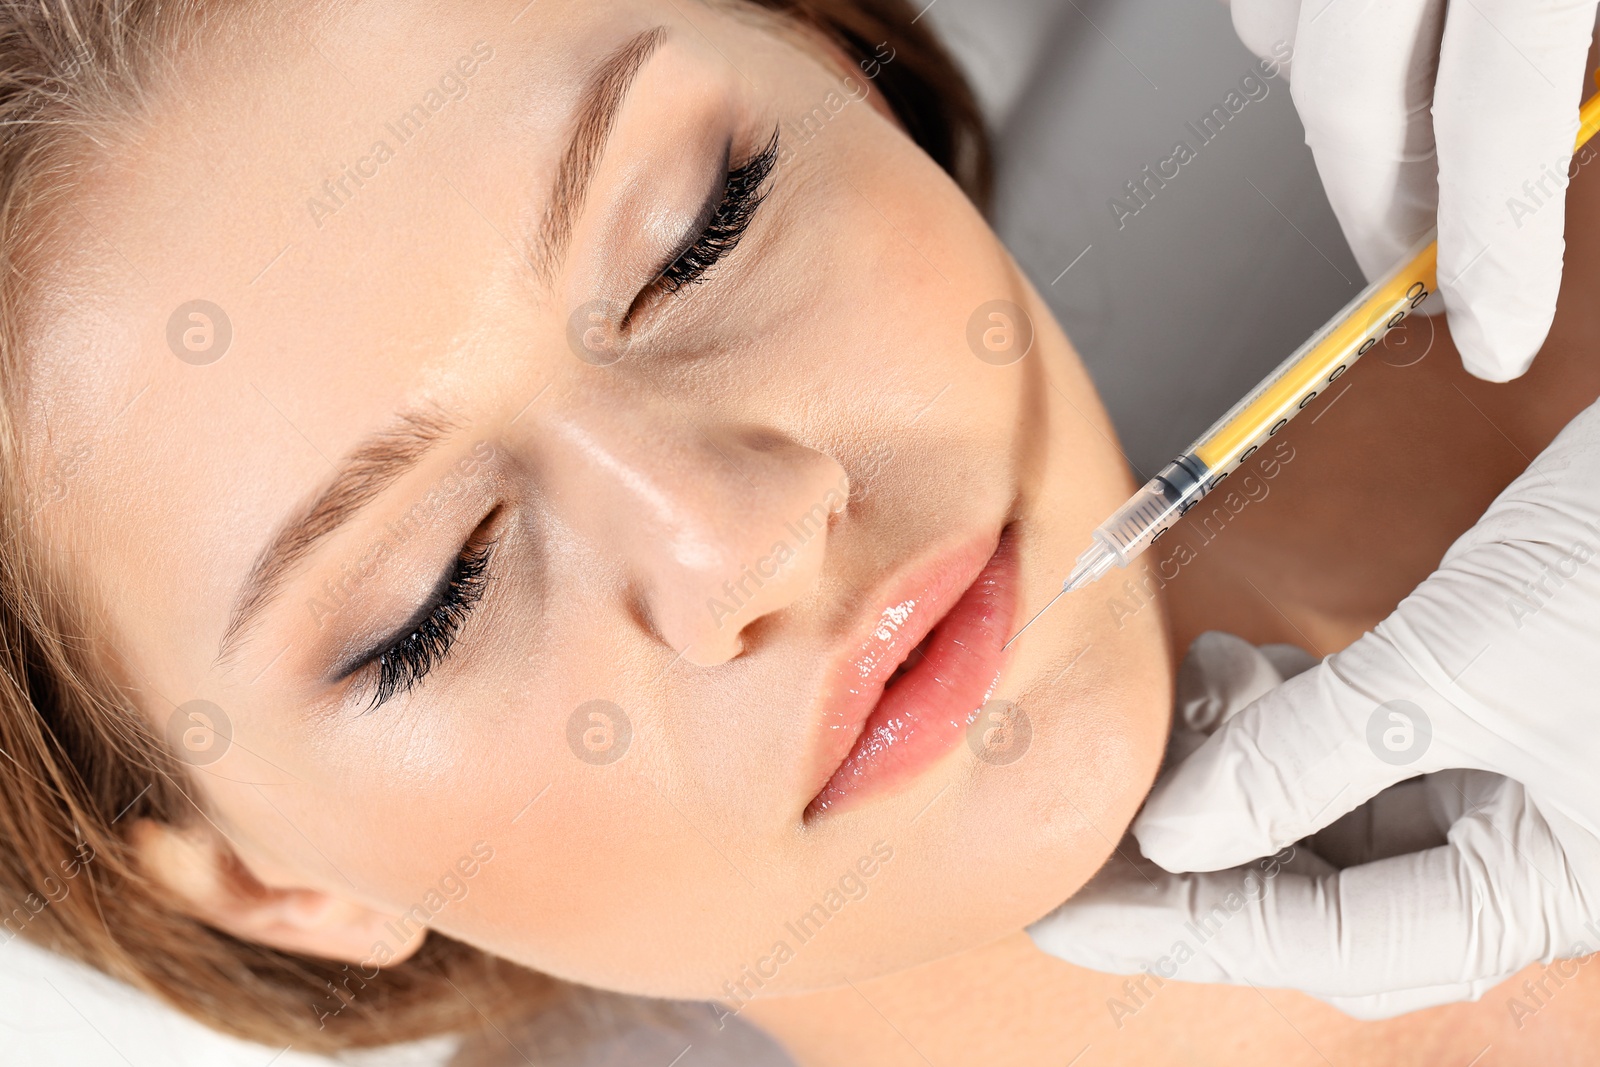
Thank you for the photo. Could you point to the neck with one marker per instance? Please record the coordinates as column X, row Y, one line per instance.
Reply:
column 1003, row 1004
column 1009, row 1005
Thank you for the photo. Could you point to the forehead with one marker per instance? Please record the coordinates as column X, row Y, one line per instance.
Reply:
column 323, row 215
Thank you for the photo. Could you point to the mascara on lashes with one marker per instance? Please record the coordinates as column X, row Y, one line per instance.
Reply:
column 404, row 664
column 721, row 223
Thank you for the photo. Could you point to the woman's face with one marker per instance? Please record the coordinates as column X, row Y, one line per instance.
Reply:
column 537, row 583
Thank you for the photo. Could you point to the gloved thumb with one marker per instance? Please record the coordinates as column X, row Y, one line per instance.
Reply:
column 1306, row 753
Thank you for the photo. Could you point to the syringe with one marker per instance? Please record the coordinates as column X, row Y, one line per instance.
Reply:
column 1266, row 409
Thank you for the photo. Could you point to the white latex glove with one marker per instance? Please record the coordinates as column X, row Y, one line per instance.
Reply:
column 1485, row 680
column 1481, row 95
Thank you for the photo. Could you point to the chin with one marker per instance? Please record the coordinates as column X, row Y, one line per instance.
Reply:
column 1001, row 846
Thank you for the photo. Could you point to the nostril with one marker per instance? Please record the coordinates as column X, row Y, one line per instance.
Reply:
column 742, row 519
column 636, row 602
column 764, row 439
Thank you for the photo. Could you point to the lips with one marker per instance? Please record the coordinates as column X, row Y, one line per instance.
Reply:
column 905, row 694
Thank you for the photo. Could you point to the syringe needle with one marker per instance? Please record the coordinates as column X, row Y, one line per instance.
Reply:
column 1035, row 618
column 1267, row 408
column 1094, row 562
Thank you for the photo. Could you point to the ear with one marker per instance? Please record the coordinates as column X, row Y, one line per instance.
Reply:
column 211, row 882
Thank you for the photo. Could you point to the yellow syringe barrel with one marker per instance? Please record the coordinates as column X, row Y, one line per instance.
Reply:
column 1358, row 328
column 1319, row 362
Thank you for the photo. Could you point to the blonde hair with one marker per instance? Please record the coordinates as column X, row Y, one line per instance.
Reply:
column 78, row 763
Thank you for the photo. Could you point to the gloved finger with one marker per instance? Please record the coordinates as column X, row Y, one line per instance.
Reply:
column 1404, row 1001
column 1131, row 916
column 1223, row 927
column 1403, row 818
column 1363, row 85
column 1221, row 675
column 1267, row 28
column 1236, row 927
column 1446, row 921
column 1300, row 757
column 1511, row 77
column 1409, row 817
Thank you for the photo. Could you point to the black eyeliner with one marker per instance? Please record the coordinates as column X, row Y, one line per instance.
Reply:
column 715, row 235
column 390, row 641
column 406, row 662
column 715, row 195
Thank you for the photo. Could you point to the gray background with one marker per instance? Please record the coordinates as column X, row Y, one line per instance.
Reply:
column 1226, row 270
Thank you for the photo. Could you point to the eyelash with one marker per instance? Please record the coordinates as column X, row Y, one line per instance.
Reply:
column 407, row 661
column 741, row 196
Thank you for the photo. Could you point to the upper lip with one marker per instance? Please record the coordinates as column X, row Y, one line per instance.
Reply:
column 880, row 639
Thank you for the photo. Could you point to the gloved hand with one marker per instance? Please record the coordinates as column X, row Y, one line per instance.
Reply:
column 1484, row 680
column 1483, row 95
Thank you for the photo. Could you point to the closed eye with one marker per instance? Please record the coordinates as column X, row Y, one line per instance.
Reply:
column 742, row 194
column 399, row 663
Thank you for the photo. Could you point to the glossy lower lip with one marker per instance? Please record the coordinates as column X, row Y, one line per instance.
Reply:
column 881, row 730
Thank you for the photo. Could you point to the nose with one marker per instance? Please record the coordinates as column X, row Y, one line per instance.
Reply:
column 717, row 524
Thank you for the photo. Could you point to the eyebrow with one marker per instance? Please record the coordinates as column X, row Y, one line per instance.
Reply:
column 367, row 470
column 596, row 116
column 385, row 456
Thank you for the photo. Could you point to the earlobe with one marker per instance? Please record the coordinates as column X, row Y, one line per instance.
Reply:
column 208, row 880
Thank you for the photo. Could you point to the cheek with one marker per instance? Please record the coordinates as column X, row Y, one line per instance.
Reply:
column 597, row 875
